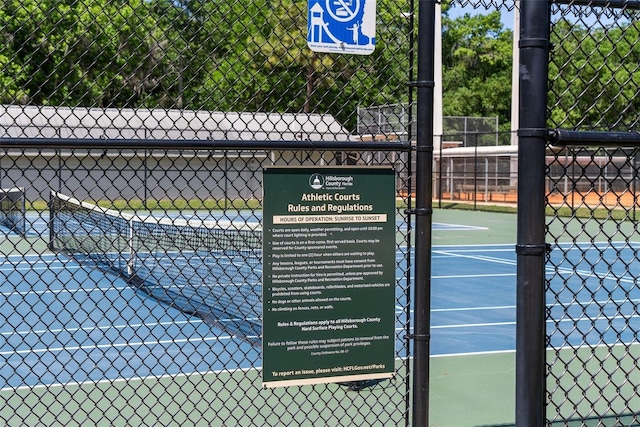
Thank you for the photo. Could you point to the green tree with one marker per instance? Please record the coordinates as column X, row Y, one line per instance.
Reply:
column 595, row 76
column 270, row 67
column 230, row 55
column 476, row 63
column 92, row 52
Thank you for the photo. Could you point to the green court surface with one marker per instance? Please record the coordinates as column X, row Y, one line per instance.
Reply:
column 129, row 402
column 492, row 228
column 473, row 389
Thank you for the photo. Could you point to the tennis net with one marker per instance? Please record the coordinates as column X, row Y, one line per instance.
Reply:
column 13, row 209
column 208, row 268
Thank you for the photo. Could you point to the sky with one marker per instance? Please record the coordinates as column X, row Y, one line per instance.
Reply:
column 507, row 15
column 584, row 16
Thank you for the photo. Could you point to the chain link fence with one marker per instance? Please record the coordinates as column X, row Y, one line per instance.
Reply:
column 577, row 307
column 168, row 111
column 592, row 272
column 165, row 113
column 476, row 174
column 84, row 342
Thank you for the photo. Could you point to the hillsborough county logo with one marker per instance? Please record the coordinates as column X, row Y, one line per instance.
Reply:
column 331, row 182
column 316, row 181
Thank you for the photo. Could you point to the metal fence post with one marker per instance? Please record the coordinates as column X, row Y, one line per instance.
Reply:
column 424, row 158
column 530, row 248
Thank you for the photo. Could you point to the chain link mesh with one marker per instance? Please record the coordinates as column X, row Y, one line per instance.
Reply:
column 79, row 344
column 592, row 269
column 591, row 202
column 125, row 105
column 169, row 77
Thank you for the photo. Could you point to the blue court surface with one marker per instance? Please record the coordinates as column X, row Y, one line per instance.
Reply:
column 596, row 294
column 103, row 328
column 66, row 323
column 473, row 295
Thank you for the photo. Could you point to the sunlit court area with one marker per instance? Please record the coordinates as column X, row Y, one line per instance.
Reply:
column 319, row 213
column 77, row 325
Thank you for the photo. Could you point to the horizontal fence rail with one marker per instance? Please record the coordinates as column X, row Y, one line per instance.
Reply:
column 59, row 143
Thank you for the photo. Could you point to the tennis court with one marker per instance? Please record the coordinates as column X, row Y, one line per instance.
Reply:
column 40, row 282
column 73, row 325
column 76, row 326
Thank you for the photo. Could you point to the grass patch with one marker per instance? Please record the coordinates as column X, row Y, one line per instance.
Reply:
column 479, row 207
column 598, row 213
column 561, row 211
column 37, row 205
column 180, row 204
column 401, row 203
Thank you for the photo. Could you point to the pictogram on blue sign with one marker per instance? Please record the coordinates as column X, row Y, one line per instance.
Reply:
column 342, row 26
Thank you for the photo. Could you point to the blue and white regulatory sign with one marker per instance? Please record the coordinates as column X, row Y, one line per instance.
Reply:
column 342, row 26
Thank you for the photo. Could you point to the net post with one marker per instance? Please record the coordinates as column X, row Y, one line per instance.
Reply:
column 13, row 209
column 24, row 211
column 51, row 222
column 131, row 261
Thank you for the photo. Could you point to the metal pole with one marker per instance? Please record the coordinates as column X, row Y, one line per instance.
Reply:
column 424, row 169
column 440, row 177
column 475, row 171
column 531, row 248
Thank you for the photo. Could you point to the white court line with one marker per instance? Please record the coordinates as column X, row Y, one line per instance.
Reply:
column 472, row 249
column 472, row 276
column 572, row 348
column 146, row 377
column 474, row 353
column 500, row 246
column 122, row 380
column 112, row 345
column 500, row 307
column 32, row 258
column 151, row 325
column 143, row 343
column 604, row 245
column 479, row 258
column 591, row 274
column 443, row 226
column 474, row 325
column 599, row 303
column 34, row 261
column 43, row 268
column 69, row 291
column 547, row 321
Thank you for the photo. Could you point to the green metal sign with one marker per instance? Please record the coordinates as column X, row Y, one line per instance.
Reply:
column 328, row 275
